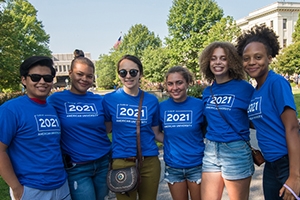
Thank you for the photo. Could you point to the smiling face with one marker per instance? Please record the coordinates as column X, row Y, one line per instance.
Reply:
column 256, row 61
column 130, row 83
column 177, row 87
column 82, row 77
column 39, row 89
column 219, row 65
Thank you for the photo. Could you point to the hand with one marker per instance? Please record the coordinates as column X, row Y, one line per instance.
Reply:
column 294, row 185
column 18, row 192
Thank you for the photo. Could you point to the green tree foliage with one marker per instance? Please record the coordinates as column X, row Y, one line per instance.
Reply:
column 156, row 64
column 138, row 39
column 296, row 34
column 9, row 54
column 189, row 23
column 106, row 71
column 224, row 30
column 135, row 42
column 288, row 61
column 22, row 36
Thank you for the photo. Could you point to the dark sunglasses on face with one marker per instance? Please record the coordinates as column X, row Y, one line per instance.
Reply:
column 132, row 72
column 37, row 77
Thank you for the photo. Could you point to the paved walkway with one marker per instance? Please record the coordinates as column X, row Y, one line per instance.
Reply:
column 255, row 187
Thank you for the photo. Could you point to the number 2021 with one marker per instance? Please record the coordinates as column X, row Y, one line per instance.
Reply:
column 130, row 112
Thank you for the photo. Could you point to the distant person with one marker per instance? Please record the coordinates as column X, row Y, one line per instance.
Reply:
column 273, row 112
column 181, row 119
column 30, row 156
column 84, row 141
column 227, row 158
column 120, row 107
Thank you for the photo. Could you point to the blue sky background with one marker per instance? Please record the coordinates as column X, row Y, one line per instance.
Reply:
column 95, row 25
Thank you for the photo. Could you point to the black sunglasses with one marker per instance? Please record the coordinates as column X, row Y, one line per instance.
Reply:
column 132, row 72
column 37, row 77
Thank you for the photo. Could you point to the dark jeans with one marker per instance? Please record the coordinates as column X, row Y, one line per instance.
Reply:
column 275, row 175
column 88, row 181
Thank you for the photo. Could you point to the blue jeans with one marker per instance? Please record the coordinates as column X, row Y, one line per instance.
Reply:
column 232, row 159
column 88, row 181
column 175, row 175
column 274, row 176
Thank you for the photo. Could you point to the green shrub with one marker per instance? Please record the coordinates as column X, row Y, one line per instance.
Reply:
column 196, row 90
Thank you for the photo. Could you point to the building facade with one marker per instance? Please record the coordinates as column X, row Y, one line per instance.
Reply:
column 62, row 65
column 280, row 16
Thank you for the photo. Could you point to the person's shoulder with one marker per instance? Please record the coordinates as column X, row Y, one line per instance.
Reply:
column 59, row 94
column 150, row 97
column 95, row 95
column 165, row 102
column 243, row 84
column 194, row 100
column 14, row 101
column 111, row 94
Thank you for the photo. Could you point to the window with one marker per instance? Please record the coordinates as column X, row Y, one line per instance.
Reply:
column 284, row 24
column 271, row 23
column 284, row 43
column 65, row 68
column 59, row 68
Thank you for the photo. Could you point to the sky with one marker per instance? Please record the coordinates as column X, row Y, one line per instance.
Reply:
column 95, row 25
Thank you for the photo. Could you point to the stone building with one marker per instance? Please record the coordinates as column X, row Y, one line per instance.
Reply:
column 280, row 16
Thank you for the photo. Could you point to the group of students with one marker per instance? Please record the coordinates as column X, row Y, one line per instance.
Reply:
column 57, row 147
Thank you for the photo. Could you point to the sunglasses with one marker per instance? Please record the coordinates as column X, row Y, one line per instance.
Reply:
column 132, row 72
column 37, row 77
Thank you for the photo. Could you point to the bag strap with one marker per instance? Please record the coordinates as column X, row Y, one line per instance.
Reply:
column 138, row 132
column 247, row 142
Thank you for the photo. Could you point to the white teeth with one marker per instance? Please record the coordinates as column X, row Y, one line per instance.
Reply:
column 218, row 68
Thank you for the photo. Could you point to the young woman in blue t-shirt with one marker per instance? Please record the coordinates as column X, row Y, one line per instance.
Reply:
column 273, row 112
column 84, row 140
column 120, row 109
column 227, row 157
column 181, row 119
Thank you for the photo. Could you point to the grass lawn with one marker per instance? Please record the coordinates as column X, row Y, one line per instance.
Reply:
column 4, row 188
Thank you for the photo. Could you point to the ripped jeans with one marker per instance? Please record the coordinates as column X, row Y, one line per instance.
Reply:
column 173, row 175
column 88, row 180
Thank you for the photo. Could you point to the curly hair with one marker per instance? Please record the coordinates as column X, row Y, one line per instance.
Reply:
column 262, row 34
column 185, row 73
column 234, row 61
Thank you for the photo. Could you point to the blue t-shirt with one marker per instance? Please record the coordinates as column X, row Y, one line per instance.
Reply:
column 32, row 133
column 121, row 109
column 266, row 107
column 183, row 138
column 84, row 135
column 233, row 99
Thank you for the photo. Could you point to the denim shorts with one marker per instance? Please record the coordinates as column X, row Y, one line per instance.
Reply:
column 232, row 159
column 173, row 175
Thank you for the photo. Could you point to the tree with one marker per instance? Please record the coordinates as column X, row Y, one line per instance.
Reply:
column 296, row 34
column 224, row 30
column 156, row 64
column 22, row 36
column 189, row 23
column 106, row 70
column 288, row 61
column 137, row 40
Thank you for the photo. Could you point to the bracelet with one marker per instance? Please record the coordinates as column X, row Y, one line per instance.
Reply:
column 290, row 189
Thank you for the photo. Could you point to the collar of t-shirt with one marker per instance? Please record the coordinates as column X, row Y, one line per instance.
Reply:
column 39, row 101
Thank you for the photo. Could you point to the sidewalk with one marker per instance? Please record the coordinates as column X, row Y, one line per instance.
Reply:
column 256, row 192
